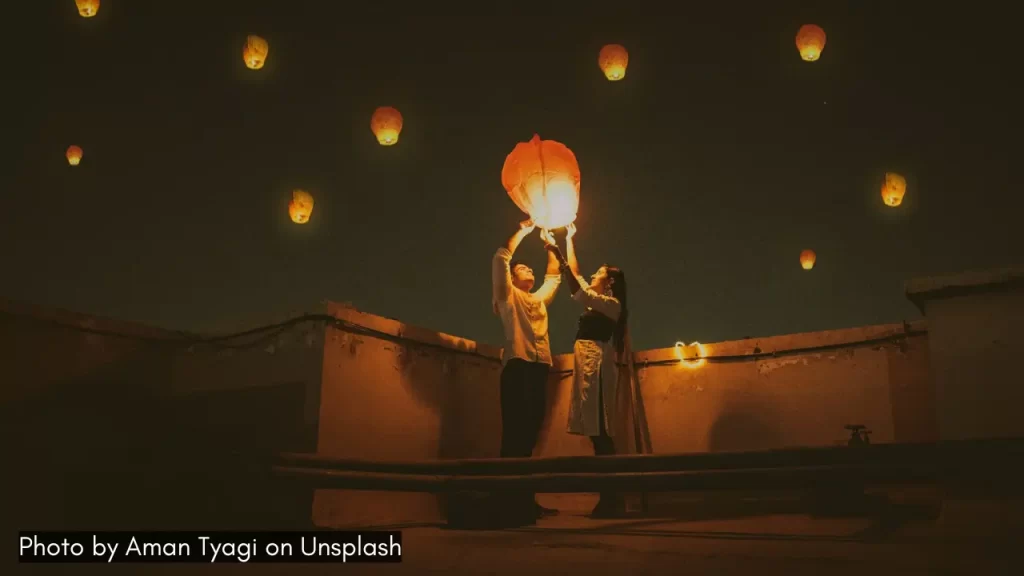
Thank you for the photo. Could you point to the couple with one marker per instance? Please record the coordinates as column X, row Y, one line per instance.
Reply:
column 600, row 340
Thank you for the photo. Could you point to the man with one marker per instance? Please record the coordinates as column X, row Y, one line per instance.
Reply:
column 527, row 354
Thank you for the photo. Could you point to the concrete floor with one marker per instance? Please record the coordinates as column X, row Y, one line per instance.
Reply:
column 782, row 545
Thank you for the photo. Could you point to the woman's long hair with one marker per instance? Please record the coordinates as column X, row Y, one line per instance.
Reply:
column 619, row 292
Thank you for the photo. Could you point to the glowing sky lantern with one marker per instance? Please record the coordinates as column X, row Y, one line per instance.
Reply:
column 543, row 179
column 810, row 41
column 301, row 206
column 255, row 52
column 74, row 155
column 807, row 259
column 893, row 189
column 613, row 60
column 87, row 8
column 386, row 124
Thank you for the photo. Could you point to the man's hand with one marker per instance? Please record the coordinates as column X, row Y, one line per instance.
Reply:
column 547, row 237
column 570, row 231
column 525, row 227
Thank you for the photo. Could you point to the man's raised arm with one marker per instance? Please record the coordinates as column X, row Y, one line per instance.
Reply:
column 501, row 276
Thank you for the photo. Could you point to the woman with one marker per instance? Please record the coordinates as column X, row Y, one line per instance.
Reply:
column 600, row 342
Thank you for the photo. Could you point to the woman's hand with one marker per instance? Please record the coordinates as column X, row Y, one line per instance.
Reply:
column 570, row 231
column 548, row 239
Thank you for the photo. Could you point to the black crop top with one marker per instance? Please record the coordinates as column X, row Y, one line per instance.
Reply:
column 595, row 326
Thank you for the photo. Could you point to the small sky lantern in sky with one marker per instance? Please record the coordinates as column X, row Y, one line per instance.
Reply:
column 807, row 259
column 810, row 41
column 301, row 206
column 893, row 189
column 255, row 52
column 613, row 60
column 543, row 179
column 386, row 124
column 74, row 155
column 692, row 356
column 87, row 8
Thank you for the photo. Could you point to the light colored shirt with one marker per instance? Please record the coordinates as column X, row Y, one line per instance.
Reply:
column 524, row 316
column 604, row 303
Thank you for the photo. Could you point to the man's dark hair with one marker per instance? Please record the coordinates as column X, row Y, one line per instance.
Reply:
column 512, row 266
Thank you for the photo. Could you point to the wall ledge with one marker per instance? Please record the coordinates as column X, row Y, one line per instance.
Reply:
column 83, row 322
column 920, row 290
column 786, row 343
column 398, row 329
column 562, row 362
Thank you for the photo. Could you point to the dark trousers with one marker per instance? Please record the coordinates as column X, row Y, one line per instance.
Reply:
column 523, row 398
column 604, row 446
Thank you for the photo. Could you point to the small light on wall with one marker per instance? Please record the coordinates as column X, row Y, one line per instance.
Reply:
column 695, row 359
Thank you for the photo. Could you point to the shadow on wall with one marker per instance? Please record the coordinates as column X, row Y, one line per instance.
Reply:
column 111, row 450
column 460, row 389
column 744, row 425
column 226, row 440
column 420, row 369
column 79, row 448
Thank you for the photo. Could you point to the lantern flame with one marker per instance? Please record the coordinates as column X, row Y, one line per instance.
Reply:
column 87, row 8
column 693, row 361
column 613, row 60
column 543, row 179
column 74, row 155
column 893, row 189
column 807, row 259
column 301, row 206
column 810, row 41
column 386, row 124
column 255, row 52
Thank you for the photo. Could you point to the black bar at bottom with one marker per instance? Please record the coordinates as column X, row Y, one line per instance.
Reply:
column 208, row 547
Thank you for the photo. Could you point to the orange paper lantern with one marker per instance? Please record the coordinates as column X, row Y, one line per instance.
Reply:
column 543, row 178
column 810, row 41
column 255, row 52
column 386, row 124
column 301, row 206
column 807, row 259
column 613, row 60
column 74, row 155
column 87, row 8
column 893, row 189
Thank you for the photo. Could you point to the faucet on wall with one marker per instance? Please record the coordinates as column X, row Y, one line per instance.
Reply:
column 858, row 435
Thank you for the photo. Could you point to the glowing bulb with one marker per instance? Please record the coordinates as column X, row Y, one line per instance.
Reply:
column 692, row 363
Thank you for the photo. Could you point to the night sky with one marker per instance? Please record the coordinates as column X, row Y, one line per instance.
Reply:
column 705, row 172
